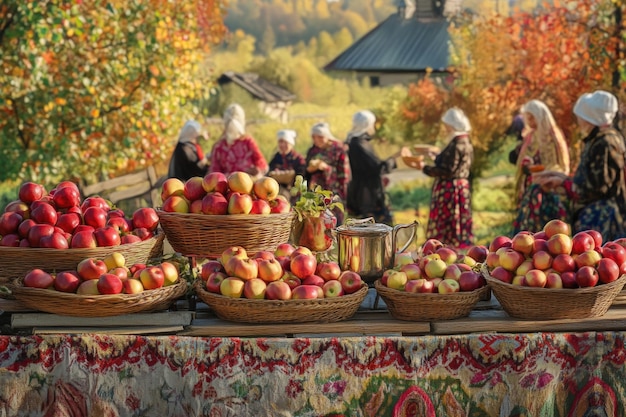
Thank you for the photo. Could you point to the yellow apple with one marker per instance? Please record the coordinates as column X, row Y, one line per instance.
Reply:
column 114, row 260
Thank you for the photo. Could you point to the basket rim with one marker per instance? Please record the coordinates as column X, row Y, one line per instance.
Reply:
column 218, row 217
column 277, row 303
column 556, row 291
column 429, row 296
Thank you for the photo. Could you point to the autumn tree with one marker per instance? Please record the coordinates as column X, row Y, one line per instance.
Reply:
column 90, row 90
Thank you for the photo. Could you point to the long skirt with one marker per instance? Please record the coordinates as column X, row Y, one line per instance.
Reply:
column 536, row 208
column 603, row 216
column 450, row 217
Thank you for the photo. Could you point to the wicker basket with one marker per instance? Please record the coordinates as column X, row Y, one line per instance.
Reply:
column 553, row 304
column 243, row 310
column 16, row 262
column 424, row 307
column 285, row 177
column 412, row 161
column 209, row 235
column 69, row 304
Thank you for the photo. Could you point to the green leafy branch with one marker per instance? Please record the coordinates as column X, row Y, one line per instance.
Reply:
column 312, row 203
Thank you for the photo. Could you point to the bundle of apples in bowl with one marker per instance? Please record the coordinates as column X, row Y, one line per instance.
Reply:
column 551, row 274
column 206, row 215
column 287, row 285
column 441, row 284
column 104, row 287
column 56, row 229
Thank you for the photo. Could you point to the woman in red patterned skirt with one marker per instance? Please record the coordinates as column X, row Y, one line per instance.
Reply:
column 450, row 218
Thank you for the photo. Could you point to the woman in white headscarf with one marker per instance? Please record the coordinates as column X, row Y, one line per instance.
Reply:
column 366, row 192
column 236, row 150
column 188, row 160
column 326, row 162
column 287, row 162
column 543, row 147
column 598, row 187
column 450, row 217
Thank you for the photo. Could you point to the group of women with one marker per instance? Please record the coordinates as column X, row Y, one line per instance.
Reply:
column 593, row 198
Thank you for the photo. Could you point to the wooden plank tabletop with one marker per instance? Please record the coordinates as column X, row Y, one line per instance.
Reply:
column 42, row 320
column 495, row 320
column 363, row 323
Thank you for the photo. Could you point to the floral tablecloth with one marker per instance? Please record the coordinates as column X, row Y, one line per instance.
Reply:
column 539, row 374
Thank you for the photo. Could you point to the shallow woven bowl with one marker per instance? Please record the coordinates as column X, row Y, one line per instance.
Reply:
column 243, row 310
column 17, row 262
column 69, row 304
column 553, row 304
column 425, row 307
column 209, row 235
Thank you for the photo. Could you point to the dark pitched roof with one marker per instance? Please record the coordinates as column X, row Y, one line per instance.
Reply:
column 257, row 86
column 398, row 45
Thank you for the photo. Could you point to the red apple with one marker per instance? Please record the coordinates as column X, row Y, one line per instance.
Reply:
column 269, row 269
column 24, row 227
column 54, row 241
column 303, row 265
column 44, row 213
column 329, row 270
column 285, row 262
column 176, row 204
column 556, row 226
column 448, row 255
column 12, row 240
column 66, row 197
column 121, row 271
column 301, row 250
column 254, row 289
column 608, row 270
column 563, row 263
column 502, row 274
column 350, row 281
column 243, row 268
column 568, row 279
column 120, row 224
column 68, row 222
column 582, row 242
column 38, row 231
column 597, row 237
column 215, row 182
column 214, row 203
column 614, row 251
column 83, row 239
column 239, row 203
column 540, row 245
column 553, row 280
column 448, row 286
column 91, row 268
column 523, row 242
column 453, row 271
column 420, row 285
column 470, row 281
column 67, row 281
column 152, row 277
column 107, row 236
column 587, row 276
column 209, row 267
column 291, row 280
column 492, row 260
column 431, row 245
column 412, row 271
column 526, row 266
column 478, row 253
column 332, row 289
column 536, row 278
column 280, row 205
column 95, row 201
column 278, row 290
column 109, row 284
column 172, row 186
column 95, row 217
column 498, row 242
column 232, row 251
column 193, row 189
column 31, row 191
column 510, row 259
column 314, row 280
column 260, row 207
column 129, row 238
column 240, row 182
column 214, row 280
column 195, row 207
column 37, row 278
column 306, row 292
column 542, row 260
column 559, row 243
column 146, row 217
column 10, row 222
column 284, row 249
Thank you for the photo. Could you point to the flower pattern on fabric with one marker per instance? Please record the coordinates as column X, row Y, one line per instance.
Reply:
column 536, row 208
column 337, row 176
column 450, row 217
column 545, row 374
column 240, row 156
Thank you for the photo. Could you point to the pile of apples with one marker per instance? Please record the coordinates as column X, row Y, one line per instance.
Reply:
column 216, row 193
column 110, row 275
column 61, row 219
column 553, row 258
column 438, row 269
column 289, row 272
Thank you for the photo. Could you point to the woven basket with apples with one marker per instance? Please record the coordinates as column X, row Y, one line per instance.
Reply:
column 206, row 215
column 102, row 287
column 553, row 275
column 442, row 284
column 287, row 285
column 55, row 230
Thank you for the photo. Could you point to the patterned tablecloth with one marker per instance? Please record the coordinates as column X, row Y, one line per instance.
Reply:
column 539, row 374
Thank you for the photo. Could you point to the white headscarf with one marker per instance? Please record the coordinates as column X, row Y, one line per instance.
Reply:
column 234, row 123
column 322, row 129
column 362, row 122
column 287, row 135
column 190, row 131
column 236, row 112
column 457, row 120
column 598, row 108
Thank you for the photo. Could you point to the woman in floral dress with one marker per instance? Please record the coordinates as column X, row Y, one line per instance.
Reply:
column 236, row 150
column 450, row 217
column 598, row 188
column 543, row 146
column 287, row 161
